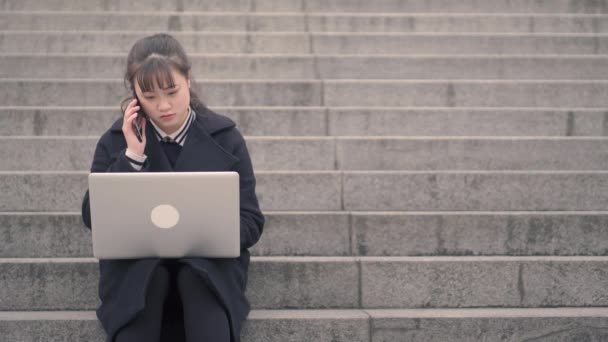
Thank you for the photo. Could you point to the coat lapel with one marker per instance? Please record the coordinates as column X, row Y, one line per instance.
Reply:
column 157, row 158
column 201, row 152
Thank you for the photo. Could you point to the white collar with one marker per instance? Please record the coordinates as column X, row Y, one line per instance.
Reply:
column 161, row 134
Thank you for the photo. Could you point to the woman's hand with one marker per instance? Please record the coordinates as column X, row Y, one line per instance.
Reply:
column 130, row 116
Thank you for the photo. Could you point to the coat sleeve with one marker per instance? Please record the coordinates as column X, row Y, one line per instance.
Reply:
column 252, row 219
column 104, row 161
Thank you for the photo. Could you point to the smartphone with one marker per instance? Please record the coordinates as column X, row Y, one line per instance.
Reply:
column 140, row 115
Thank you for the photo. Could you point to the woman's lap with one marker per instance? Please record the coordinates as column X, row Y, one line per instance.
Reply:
column 205, row 316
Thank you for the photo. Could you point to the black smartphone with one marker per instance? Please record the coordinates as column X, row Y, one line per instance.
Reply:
column 140, row 115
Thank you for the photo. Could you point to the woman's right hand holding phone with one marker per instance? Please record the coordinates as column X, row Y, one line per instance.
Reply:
column 128, row 129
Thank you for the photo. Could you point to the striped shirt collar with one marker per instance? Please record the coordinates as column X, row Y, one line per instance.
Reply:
column 180, row 134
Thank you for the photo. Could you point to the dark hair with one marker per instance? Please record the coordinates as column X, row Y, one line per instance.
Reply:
column 149, row 63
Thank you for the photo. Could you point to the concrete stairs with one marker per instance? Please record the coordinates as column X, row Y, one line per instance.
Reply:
column 450, row 161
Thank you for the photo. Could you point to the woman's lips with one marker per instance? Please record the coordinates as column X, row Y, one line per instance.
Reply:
column 167, row 117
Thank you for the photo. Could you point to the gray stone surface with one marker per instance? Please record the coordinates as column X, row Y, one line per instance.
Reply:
column 303, row 121
column 290, row 153
column 55, row 327
column 475, row 191
column 66, row 92
column 92, row 66
column 76, row 153
column 356, row 153
column 297, row 22
column 325, row 67
column 451, row 22
column 470, row 153
column 307, row 325
column 487, row 233
column 44, row 235
column 467, row 6
column 261, row 326
column 461, row 93
column 491, row 67
column 279, row 68
column 303, row 282
column 431, row 282
column 434, row 93
column 305, row 234
column 308, row 191
column 509, row 325
column 35, row 235
column 442, row 6
column 458, row 43
column 94, row 121
column 274, row 283
column 468, row 121
column 318, row 43
column 307, row 282
column 369, row 190
column 63, row 191
column 119, row 42
column 158, row 21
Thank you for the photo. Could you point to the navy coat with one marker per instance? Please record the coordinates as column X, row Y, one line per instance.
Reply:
column 213, row 144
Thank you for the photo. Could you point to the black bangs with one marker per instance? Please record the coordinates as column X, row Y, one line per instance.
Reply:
column 154, row 72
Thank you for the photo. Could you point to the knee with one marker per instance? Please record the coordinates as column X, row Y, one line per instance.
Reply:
column 188, row 279
column 159, row 281
column 186, row 275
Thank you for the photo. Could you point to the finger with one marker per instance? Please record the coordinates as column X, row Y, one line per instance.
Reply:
column 130, row 118
column 130, row 111
column 133, row 116
column 131, row 104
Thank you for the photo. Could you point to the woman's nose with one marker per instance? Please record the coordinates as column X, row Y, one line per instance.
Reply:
column 164, row 105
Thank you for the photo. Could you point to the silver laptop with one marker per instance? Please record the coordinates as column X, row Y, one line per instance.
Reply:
column 165, row 214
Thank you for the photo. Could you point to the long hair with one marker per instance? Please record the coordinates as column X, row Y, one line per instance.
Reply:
column 149, row 63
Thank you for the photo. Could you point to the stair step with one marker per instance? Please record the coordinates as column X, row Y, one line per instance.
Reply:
column 66, row 153
column 299, row 22
column 431, row 325
column 318, row 43
column 110, row 92
column 54, row 121
column 273, row 282
column 446, row 121
column 508, row 325
column 38, row 191
column 43, row 235
column 415, row 6
column 76, row 153
column 465, row 93
column 480, row 191
column 261, row 326
column 36, row 235
column 334, row 121
column 358, row 190
column 325, row 67
column 346, row 282
column 414, row 93
column 402, row 282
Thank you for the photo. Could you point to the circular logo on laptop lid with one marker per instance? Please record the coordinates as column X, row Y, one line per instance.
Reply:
column 164, row 216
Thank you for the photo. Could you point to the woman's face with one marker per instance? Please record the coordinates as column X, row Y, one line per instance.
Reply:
column 167, row 107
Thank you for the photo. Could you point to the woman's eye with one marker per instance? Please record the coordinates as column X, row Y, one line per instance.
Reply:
column 173, row 93
column 148, row 98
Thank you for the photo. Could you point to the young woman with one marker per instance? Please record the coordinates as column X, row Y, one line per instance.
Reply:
column 188, row 299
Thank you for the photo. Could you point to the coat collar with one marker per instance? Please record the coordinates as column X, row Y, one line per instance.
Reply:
column 200, row 152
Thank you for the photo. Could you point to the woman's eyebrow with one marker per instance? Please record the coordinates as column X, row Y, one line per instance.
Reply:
column 171, row 87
